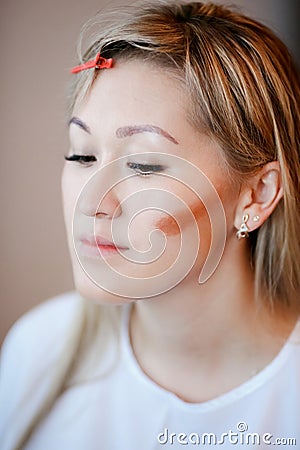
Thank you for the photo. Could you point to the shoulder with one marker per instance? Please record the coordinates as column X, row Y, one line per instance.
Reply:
column 32, row 349
column 42, row 324
column 35, row 341
column 46, row 337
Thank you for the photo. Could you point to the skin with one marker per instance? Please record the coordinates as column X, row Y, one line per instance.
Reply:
column 196, row 340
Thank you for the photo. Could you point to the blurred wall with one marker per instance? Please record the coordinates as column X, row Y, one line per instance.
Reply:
column 37, row 46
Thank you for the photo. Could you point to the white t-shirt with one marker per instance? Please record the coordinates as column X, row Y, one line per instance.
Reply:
column 125, row 410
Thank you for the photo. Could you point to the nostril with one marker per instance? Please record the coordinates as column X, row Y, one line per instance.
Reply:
column 101, row 214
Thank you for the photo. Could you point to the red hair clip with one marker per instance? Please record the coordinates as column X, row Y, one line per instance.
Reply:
column 97, row 63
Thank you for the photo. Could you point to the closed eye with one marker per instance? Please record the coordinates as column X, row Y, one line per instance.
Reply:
column 145, row 169
column 81, row 159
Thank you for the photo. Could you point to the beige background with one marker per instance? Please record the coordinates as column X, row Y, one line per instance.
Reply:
column 37, row 46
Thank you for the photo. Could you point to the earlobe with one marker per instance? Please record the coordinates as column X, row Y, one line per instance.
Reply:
column 259, row 198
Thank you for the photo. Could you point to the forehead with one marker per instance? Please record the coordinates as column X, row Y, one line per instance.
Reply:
column 134, row 94
column 134, row 90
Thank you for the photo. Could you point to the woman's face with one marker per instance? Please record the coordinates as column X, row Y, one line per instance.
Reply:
column 142, row 206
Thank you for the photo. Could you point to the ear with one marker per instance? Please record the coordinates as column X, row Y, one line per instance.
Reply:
column 259, row 196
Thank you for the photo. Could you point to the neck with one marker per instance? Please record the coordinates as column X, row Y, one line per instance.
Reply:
column 211, row 327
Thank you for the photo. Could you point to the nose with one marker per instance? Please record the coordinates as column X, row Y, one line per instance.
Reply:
column 99, row 197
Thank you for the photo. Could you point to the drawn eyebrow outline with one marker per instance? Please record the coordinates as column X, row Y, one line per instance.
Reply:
column 127, row 131
column 80, row 123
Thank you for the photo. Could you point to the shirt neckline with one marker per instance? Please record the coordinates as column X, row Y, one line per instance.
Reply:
column 237, row 393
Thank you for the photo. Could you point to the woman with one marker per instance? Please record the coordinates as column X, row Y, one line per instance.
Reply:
column 181, row 199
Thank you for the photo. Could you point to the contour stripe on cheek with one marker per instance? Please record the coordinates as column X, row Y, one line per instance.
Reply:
column 170, row 227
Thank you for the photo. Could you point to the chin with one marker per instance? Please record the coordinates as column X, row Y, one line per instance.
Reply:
column 90, row 291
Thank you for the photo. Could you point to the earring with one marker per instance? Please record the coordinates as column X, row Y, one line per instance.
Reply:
column 256, row 218
column 243, row 231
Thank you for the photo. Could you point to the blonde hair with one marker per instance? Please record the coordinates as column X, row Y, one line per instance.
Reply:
column 244, row 91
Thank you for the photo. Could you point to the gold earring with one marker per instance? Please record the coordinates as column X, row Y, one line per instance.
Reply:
column 243, row 231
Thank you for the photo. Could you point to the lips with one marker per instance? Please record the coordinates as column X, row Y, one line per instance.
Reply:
column 96, row 246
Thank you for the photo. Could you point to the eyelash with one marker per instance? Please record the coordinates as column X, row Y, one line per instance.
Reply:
column 145, row 169
column 81, row 159
column 140, row 169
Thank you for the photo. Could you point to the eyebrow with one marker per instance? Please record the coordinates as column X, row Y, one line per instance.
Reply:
column 136, row 129
column 127, row 131
column 80, row 124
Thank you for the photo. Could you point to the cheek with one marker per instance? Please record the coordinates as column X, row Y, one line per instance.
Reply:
column 66, row 187
column 172, row 227
column 70, row 191
column 65, row 192
column 140, row 227
column 71, row 186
